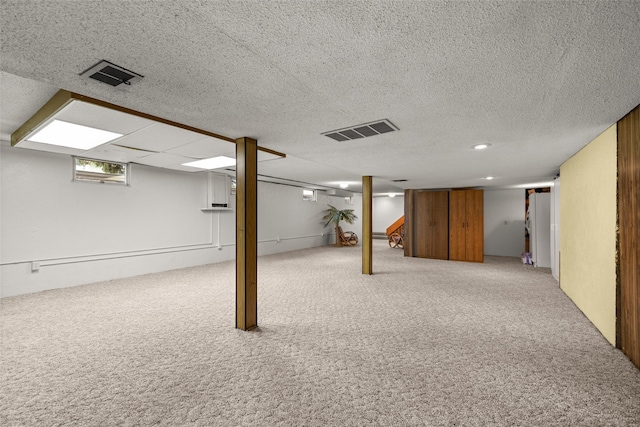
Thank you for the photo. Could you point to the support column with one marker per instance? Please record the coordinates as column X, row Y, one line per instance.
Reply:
column 246, row 233
column 628, row 259
column 367, row 218
column 409, row 219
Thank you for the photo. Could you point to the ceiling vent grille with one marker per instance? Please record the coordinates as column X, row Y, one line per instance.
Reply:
column 362, row 131
column 111, row 74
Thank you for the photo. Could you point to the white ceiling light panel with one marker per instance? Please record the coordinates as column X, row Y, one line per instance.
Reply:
column 71, row 135
column 212, row 163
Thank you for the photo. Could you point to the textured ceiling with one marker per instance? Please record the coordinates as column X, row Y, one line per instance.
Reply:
column 537, row 80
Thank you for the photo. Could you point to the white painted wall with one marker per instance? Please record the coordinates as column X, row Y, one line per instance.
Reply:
column 82, row 232
column 504, row 222
column 386, row 210
column 288, row 223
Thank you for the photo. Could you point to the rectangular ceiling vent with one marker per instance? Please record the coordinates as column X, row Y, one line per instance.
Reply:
column 111, row 74
column 362, row 131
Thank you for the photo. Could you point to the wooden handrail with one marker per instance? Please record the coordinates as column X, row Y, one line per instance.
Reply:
column 395, row 226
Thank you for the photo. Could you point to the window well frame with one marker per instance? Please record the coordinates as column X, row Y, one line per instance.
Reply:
column 100, row 177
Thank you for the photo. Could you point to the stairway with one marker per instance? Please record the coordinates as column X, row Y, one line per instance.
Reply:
column 396, row 227
column 395, row 233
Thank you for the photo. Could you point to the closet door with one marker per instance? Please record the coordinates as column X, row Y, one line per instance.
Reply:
column 440, row 227
column 474, row 230
column 429, row 226
column 422, row 224
column 466, row 225
column 457, row 226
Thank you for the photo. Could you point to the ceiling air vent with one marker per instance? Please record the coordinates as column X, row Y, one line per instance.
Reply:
column 362, row 131
column 111, row 74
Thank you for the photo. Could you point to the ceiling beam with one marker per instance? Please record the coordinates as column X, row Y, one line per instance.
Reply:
column 64, row 97
column 55, row 104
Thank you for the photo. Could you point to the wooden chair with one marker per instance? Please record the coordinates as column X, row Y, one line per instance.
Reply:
column 347, row 238
column 396, row 240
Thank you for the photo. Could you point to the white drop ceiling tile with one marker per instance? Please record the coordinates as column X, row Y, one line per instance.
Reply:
column 84, row 113
column 159, row 137
column 50, row 148
column 264, row 156
column 204, row 148
column 117, row 154
column 163, row 160
column 179, row 167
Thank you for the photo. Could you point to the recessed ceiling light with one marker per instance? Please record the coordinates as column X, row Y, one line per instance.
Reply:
column 71, row 135
column 392, row 194
column 343, row 185
column 489, row 178
column 212, row 163
column 481, row 146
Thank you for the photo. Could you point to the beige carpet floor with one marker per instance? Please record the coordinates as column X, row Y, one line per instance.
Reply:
column 419, row 343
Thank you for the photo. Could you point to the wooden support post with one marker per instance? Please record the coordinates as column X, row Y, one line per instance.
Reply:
column 246, row 234
column 628, row 256
column 409, row 200
column 367, row 210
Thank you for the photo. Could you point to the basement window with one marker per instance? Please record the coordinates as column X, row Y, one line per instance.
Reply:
column 100, row 171
column 308, row 195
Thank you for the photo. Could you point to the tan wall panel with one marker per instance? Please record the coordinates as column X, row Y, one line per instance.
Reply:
column 588, row 231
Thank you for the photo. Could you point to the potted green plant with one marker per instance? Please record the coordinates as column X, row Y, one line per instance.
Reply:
column 335, row 215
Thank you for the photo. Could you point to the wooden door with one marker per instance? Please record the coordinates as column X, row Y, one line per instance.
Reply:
column 422, row 221
column 457, row 226
column 474, row 230
column 428, row 226
column 466, row 225
column 440, row 228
